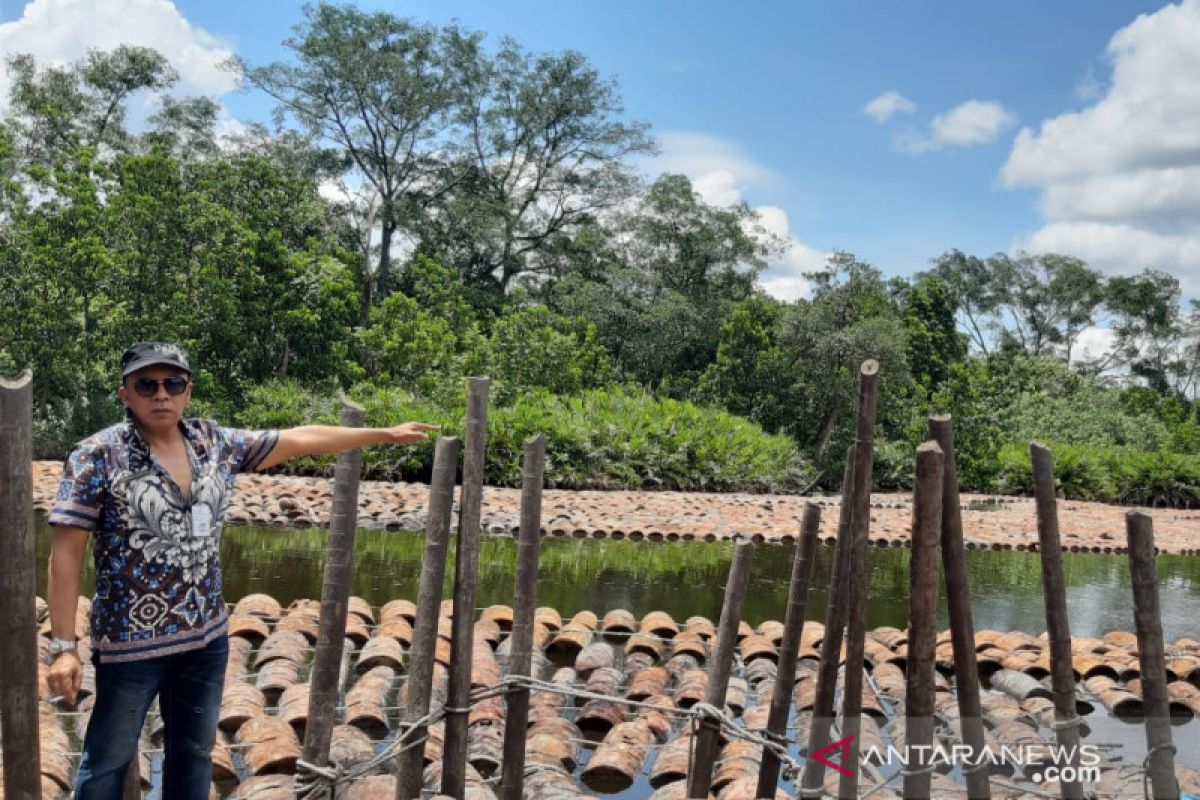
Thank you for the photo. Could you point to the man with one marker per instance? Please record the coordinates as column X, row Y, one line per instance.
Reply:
column 152, row 491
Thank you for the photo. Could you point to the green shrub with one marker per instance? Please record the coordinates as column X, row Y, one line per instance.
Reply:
column 1107, row 474
column 619, row 438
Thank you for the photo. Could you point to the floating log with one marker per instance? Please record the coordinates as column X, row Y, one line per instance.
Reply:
column 546, row 705
column 702, row 626
column 54, row 751
column 681, row 663
column 569, row 641
column 598, row 717
column 360, row 608
column 266, row 787
column 293, row 706
column 290, row 645
column 648, row 682
column 487, row 632
column 736, row 695
column 690, row 688
column 485, row 745
column 636, row 662
column 1121, row 703
column 250, row 627
column 381, row 651
column 240, row 702
column 544, row 615
column 485, row 669
column 645, row 643
column 406, row 609
column 224, row 772
column 756, row 646
column 619, row 758
column 554, row 739
column 397, row 627
column 1018, row 685
column 671, row 765
column 276, row 676
column 239, row 651
column 619, row 622
column 367, row 700
column 501, row 615
column 593, row 657
column 259, row 605
column 693, row 644
column 740, row 759
column 270, row 745
column 660, row 624
column 302, row 622
column 603, row 680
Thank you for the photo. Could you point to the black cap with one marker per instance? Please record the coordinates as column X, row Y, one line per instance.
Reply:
column 149, row 354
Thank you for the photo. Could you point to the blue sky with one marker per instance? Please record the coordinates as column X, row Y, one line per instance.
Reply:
column 1051, row 126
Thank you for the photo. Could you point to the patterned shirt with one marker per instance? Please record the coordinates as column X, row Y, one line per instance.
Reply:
column 158, row 576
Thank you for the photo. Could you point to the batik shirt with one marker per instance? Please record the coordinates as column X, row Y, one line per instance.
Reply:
column 158, row 576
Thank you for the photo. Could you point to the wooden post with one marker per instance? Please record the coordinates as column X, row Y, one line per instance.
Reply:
column 922, row 616
column 860, row 526
column 831, row 643
column 1062, row 676
column 466, row 568
column 793, row 626
column 409, row 763
column 962, row 624
column 335, row 597
column 700, row 780
column 1139, row 530
column 524, row 605
column 18, row 625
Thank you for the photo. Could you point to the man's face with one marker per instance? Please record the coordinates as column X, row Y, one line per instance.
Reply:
column 160, row 409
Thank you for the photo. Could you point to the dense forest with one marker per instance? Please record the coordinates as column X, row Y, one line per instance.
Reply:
column 429, row 205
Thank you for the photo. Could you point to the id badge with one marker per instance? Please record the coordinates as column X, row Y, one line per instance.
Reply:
column 201, row 520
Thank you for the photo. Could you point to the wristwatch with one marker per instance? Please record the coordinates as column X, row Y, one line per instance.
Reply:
column 59, row 646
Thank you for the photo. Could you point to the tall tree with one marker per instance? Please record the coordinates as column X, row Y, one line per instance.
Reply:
column 544, row 152
column 385, row 90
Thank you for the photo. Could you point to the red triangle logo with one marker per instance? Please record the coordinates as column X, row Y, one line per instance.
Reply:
column 841, row 744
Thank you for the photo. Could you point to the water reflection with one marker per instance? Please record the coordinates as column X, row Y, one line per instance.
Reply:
column 685, row 578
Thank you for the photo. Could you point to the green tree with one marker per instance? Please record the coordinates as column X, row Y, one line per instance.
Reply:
column 382, row 88
column 934, row 342
column 544, row 152
column 532, row 347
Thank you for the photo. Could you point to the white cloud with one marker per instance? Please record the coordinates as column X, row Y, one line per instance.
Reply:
column 1120, row 178
column 60, row 31
column 722, row 173
column 888, row 105
column 1093, row 343
column 971, row 123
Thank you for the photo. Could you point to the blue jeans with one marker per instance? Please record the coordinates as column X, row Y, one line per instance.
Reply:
column 189, row 688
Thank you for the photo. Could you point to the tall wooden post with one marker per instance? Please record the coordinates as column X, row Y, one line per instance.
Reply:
column 831, row 644
column 1139, row 530
column 1058, row 627
column 418, row 687
column 524, row 608
column 335, row 597
column 700, row 779
column 860, row 525
column 793, row 626
column 466, row 569
column 18, row 625
column 962, row 624
column 920, row 688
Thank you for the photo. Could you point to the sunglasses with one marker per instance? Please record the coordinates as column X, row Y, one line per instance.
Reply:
column 148, row 387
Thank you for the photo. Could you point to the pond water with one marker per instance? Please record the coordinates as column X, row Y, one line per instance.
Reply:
column 685, row 578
